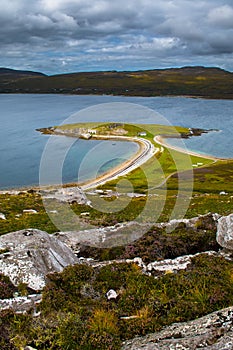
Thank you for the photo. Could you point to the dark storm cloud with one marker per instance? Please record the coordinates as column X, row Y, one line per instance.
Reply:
column 71, row 35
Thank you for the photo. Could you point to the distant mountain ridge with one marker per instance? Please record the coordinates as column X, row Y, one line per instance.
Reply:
column 195, row 81
column 8, row 71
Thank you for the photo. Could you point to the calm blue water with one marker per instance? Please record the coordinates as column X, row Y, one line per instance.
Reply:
column 21, row 146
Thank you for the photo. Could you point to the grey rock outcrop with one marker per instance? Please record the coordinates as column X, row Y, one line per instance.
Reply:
column 212, row 332
column 125, row 233
column 68, row 194
column 31, row 255
column 225, row 232
column 21, row 304
column 173, row 265
column 104, row 237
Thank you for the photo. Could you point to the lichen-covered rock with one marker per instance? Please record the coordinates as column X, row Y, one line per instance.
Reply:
column 31, row 255
column 173, row 265
column 68, row 194
column 225, row 232
column 21, row 304
column 104, row 237
column 212, row 332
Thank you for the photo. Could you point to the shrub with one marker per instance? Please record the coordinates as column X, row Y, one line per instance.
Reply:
column 7, row 288
column 114, row 276
column 140, row 324
column 63, row 288
column 70, row 332
column 103, row 332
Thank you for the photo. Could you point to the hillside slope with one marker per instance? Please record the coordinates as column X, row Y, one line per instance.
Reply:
column 207, row 82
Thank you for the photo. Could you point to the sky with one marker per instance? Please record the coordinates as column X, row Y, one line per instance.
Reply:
column 64, row 36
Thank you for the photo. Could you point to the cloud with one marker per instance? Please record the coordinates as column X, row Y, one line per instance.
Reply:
column 221, row 16
column 74, row 35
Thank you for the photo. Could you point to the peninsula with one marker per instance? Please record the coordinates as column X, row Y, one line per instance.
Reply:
column 148, row 137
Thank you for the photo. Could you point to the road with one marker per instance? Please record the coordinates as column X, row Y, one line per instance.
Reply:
column 147, row 150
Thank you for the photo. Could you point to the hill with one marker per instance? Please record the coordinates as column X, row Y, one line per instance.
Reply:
column 207, row 82
column 18, row 73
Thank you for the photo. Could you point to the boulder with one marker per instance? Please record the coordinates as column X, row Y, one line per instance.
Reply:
column 31, row 255
column 21, row 304
column 212, row 332
column 225, row 232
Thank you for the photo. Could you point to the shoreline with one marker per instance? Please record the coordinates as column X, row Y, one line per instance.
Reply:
column 118, row 95
column 162, row 142
column 145, row 152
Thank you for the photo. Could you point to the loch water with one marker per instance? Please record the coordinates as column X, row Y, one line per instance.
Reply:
column 21, row 146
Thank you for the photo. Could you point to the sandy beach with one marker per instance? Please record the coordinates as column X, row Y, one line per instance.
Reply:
column 162, row 142
column 145, row 152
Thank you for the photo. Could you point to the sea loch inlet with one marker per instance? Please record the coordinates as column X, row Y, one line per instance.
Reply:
column 22, row 146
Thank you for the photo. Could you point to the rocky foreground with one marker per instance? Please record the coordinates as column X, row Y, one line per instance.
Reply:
column 28, row 256
column 212, row 332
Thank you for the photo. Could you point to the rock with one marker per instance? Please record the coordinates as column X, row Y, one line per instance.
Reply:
column 189, row 223
column 212, row 332
column 32, row 254
column 21, row 304
column 111, row 294
column 173, row 265
column 29, row 211
column 137, row 261
column 2, row 216
column 104, row 237
column 86, row 213
column 68, row 194
column 224, row 235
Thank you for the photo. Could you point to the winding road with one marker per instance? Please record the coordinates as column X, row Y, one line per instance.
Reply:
column 146, row 151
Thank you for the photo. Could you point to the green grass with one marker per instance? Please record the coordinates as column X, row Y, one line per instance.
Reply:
column 157, row 179
column 159, row 167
